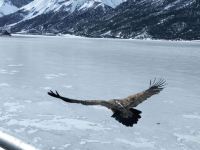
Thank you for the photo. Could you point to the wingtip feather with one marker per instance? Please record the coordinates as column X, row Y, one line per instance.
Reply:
column 157, row 85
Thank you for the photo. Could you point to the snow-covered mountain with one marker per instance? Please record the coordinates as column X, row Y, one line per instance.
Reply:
column 11, row 6
column 46, row 10
column 160, row 19
column 44, row 6
column 6, row 7
column 38, row 7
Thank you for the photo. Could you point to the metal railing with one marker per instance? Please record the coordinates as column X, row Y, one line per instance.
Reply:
column 9, row 142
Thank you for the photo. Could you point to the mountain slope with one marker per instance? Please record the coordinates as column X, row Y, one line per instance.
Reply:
column 159, row 19
column 20, row 3
column 11, row 6
column 6, row 7
column 38, row 7
column 172, row 19
column 41, row 13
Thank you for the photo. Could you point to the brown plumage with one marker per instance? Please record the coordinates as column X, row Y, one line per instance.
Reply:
column 123, row 110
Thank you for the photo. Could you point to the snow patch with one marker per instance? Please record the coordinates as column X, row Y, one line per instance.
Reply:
column 52, row 76
column 15, row 65
column 85, row 141
column 67, row 86
column 46, row 88
column 57, row 123
column 66, row 145
column 4, row 71
column 191, row 116
column 188, row 138
column 143, row 143
column 4, row 85
column 6, row 8
column 13, row 106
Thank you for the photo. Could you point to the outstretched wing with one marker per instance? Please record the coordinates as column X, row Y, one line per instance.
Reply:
column 83, row 102
column 155, row 88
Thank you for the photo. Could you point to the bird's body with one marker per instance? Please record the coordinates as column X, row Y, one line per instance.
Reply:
column 122, row 109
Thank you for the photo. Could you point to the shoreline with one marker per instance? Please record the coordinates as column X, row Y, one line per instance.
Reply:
column 81, row 37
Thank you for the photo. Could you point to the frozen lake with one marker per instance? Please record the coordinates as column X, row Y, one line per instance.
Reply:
column 99, row 69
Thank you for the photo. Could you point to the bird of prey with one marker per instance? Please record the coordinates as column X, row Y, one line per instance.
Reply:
column 122, row 109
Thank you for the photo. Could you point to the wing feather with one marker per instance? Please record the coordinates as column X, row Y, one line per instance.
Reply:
column 154, row 88
column 83, row 102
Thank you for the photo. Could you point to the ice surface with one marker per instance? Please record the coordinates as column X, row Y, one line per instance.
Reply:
column 99, row 69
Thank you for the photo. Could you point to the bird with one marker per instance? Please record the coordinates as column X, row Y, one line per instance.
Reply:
column 124, row 108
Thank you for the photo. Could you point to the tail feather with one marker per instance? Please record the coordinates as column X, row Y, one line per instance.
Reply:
column 128, row 121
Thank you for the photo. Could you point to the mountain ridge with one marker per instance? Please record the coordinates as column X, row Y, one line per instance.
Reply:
column 157, row 19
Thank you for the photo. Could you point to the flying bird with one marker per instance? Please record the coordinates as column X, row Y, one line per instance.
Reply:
column 122, row 109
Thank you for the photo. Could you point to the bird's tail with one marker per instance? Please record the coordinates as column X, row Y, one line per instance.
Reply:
column 130, row 120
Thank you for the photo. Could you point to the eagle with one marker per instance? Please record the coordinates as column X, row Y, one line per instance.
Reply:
column 123, row 109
